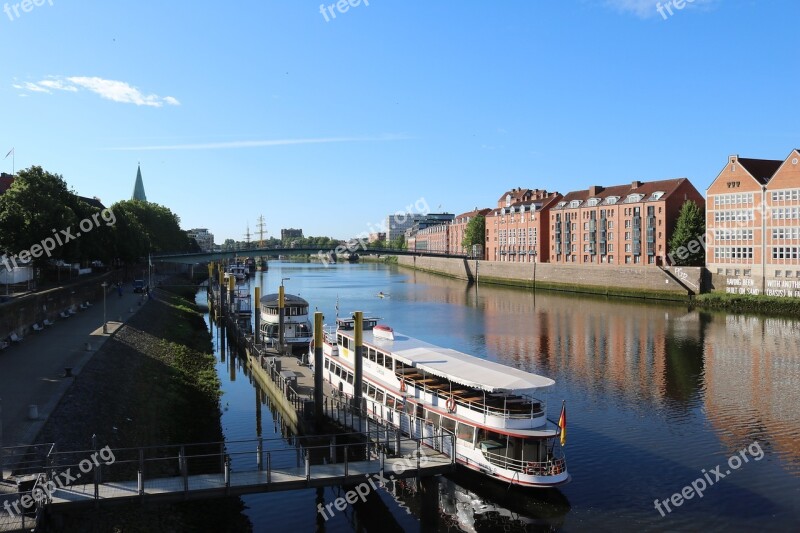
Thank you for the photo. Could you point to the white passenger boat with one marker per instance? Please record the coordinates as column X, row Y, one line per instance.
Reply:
column 296, row 325
column 497, row 413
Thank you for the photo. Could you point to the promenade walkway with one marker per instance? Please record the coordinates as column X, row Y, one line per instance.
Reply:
column 32, row 372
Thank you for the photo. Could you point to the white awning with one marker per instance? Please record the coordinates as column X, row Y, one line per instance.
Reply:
column 458, row 367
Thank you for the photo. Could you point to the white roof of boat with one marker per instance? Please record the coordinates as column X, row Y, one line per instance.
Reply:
column 456, row 366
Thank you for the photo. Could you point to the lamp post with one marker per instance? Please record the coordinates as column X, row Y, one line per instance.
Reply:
column 105, row 324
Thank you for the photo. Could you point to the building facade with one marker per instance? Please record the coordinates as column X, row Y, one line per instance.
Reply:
column 291, row 233
column 517, row 230
column 204, row 238
column 619, row 225
column 429, row 233
column 753, row 226
column 457, row 229
column 397, row 224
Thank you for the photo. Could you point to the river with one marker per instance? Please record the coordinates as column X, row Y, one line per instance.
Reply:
column 657, row 398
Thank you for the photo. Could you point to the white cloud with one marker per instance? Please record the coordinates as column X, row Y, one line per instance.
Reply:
column 260, row 143
column 647, row 8
column 114, row 90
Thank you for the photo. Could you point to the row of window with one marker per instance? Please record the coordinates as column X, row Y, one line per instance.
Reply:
column 784, row 196
column 376, row 356
column 733, row 252
column 785, row 252
column 785, row 233
column 737, row 215
column 786, row 213
column 287, row 311
column 743, row 198
column 722, row 235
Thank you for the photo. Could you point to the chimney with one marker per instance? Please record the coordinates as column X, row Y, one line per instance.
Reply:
column 594, row 190
column 636, row 184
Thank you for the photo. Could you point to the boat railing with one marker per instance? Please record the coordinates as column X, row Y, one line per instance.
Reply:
column 537, row 407
column 555, row 464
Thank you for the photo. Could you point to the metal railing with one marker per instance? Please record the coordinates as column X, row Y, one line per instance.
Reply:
column 537, row 410
column 554, row 465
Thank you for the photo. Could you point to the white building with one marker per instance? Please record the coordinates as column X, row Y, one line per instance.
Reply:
column 204, row 238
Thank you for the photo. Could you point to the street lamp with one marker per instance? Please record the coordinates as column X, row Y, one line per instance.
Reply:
column 105, row 324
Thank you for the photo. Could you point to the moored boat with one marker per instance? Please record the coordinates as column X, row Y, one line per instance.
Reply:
column 497, row 414
column 296, row 325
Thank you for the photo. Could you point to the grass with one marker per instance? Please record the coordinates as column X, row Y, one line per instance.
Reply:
column 744, row 303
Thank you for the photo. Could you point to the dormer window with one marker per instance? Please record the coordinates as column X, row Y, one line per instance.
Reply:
column 633, row 198
column 656, row 196
column 574, row 203
column 593, row 202
column 611, row 200
column 561, row 205
column 508, row 200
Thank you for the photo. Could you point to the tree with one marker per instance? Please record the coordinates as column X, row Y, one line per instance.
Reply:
column 474, row 233
column 687, row 245
column 399, row 243
column 38, row 206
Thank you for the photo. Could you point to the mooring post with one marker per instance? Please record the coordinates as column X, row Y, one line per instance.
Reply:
column 141, row 473
column 257, row 310
column 227, row 474
column 281, row 304
column 260, row 454
column 269, row 468
column 359, row 363
column 318, row 367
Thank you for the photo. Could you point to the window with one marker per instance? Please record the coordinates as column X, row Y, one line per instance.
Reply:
column 656, row 196
column 574, row 203
column 387, row 362
column 611, row 200
column 465, row 432
column 593, row 202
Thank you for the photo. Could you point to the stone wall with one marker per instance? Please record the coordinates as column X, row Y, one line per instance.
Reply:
column 634, row 281
column 21, row 313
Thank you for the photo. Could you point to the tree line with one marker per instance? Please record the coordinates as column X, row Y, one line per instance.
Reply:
column 44, row 221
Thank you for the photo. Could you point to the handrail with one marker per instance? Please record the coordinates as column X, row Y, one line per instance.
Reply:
column 555, row 464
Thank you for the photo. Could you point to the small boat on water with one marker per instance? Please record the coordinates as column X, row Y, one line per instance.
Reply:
column 240, row 272
column 297, row 329
column 497, row 414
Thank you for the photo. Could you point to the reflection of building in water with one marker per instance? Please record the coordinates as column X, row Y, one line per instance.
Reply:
column 752, row 375
column 625, row 347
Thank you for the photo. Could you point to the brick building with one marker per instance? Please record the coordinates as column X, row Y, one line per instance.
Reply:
column 457, row 228
column 517, row 229
column 753, row 225
column 619, row 225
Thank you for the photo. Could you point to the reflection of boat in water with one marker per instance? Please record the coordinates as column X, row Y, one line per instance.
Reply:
column 468, row 502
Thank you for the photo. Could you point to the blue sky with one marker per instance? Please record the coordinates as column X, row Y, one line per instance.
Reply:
column 247, row 108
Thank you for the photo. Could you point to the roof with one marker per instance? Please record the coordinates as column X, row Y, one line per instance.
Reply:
column 646, row 188
column 761, row 169
column 288, row 299
column 6, row 180
column 456, row 366
column 138, row 187
column 93, row 202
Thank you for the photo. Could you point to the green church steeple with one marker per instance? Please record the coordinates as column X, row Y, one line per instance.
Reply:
column 138, row 189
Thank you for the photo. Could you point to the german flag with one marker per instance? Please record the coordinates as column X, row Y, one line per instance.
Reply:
column 562, row 422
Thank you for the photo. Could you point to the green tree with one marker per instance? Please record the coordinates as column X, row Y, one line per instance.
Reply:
column 399, row 242
column 36, row 207
column 474, row 233
column 687, row 244
column 146, row 227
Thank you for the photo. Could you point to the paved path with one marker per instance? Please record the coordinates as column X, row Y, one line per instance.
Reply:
column 32, row 372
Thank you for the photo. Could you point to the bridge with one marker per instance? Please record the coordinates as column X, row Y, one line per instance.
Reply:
column 204, row 257
column 371, row 455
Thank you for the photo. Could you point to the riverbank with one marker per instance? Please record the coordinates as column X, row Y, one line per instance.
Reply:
column 153, row 382
column 639, row 282
column 748, row 304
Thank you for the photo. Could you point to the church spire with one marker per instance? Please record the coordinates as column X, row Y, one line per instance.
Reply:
column 138, row 189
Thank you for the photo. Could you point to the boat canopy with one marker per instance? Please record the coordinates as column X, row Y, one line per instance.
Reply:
column 456, row 366
column 271, row 300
